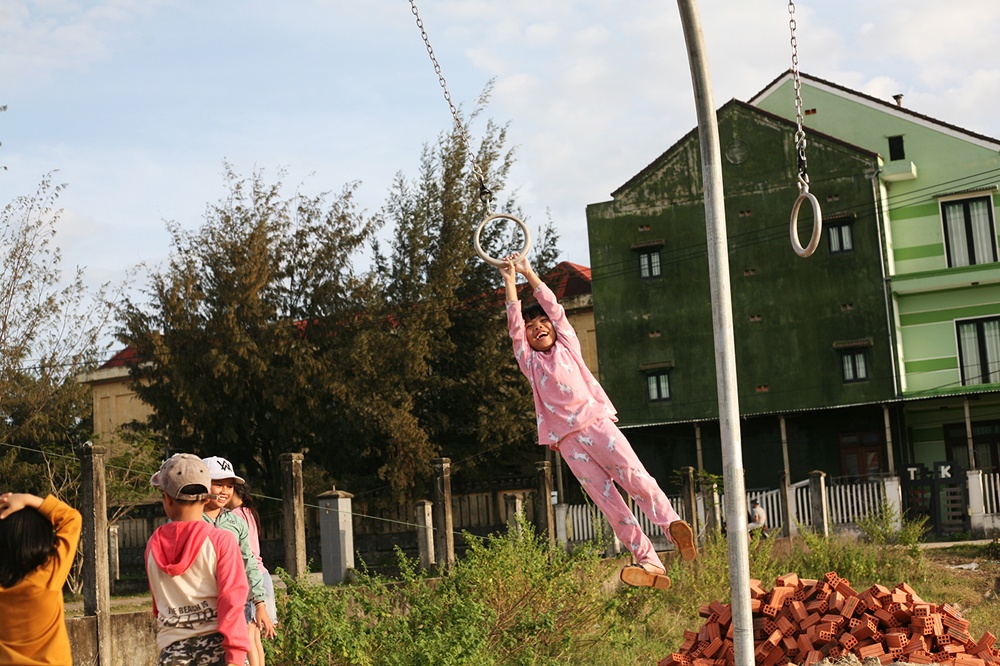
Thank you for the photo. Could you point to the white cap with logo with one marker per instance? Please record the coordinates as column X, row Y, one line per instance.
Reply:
column 220, row 469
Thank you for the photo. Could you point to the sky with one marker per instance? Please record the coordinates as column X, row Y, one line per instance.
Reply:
column 137, row 104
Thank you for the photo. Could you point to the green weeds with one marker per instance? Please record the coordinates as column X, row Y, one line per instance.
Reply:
column 515, row 601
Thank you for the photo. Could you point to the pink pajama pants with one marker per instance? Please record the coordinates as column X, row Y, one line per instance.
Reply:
column 600, row 456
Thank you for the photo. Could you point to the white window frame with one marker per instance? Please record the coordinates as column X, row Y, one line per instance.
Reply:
column 851, row 370
column 840, row 234
column 658, row 386
column 959, row 233
column 650, row 264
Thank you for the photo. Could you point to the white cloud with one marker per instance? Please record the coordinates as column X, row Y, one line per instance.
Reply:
column 38, row 38
column 139, row 101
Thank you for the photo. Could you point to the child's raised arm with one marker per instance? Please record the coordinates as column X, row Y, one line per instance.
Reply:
column 522, row 266
column 14, row 502
column 513, row 265
column 509, row 273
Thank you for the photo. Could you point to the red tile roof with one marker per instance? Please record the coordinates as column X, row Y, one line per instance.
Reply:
column 127, row 356
column 568, row 279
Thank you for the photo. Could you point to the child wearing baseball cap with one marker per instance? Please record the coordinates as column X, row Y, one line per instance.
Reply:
column 223, row 481
column 196, row 573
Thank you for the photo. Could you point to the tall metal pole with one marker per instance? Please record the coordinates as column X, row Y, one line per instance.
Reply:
column 722, row 320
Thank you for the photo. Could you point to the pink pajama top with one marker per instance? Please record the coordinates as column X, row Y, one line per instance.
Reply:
column 568, row 398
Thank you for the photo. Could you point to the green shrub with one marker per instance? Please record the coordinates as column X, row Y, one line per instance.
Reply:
column 888, row 550
column 513, row 599
column 885, row 527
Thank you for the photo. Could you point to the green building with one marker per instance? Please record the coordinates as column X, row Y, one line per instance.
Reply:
column 814, row 337
column 936, row 190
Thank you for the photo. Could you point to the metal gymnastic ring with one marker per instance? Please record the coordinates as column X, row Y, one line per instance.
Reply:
column 793, row 229
column 501, row 216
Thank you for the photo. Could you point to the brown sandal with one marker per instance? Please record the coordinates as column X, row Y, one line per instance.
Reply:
column 636, row 576
column 683, row 538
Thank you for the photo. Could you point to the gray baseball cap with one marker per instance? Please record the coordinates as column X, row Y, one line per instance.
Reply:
column 180, row 471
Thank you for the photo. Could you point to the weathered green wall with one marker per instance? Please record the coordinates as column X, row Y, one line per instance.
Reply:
column 946, row 158
column 787, row 311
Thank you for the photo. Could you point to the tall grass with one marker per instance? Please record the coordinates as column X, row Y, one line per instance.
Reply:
column 512, row 599
column 888, row 551
column 515, row 600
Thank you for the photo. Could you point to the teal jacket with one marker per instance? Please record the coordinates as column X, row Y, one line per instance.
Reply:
column 228, row 521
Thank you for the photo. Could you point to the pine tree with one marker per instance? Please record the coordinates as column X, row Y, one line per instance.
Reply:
column 238, row 345
column 469, row 398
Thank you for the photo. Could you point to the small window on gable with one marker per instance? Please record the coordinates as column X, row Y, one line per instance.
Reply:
column 841, row 238
column 840, row 232
column 657, row 376
column 649, row 264
column 649, row 258
column 896, row 150
column 854, row 359
column 658, row 386
column 855, row 365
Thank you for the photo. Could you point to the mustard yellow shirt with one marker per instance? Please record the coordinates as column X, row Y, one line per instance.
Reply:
column 32, row 623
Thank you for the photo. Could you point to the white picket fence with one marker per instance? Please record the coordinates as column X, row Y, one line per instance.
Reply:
column 991, row 491
column 847, row 503
column 584, row 518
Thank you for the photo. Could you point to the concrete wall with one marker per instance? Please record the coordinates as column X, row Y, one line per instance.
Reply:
column 115, row 404
column 134, row 645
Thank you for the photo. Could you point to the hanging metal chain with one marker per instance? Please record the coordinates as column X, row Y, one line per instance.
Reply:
column 800, row 147
column 485, row 195
column 800, row 134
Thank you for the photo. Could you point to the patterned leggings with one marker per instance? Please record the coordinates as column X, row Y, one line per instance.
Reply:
column 203, row 650
column 600, row 456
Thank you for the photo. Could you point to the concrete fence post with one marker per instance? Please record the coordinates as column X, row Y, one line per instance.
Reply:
column 336, row 535
column 787, row 499
column 293, row 524
column 444, row 535
column 612, row 545
column 977, row 503
column 688, row 498
column 114, row 563
column 562, row 522
column 514, row 508
column 794, row 519
column 818, row 500
column 894, row 499
column 94, row 538
column 544, row 515
column 713, row 508
column 425, row 533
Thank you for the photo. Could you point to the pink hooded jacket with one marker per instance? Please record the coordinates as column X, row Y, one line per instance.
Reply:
column 199, row 585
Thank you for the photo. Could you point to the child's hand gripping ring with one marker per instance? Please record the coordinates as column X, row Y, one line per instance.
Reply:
column 501, row 216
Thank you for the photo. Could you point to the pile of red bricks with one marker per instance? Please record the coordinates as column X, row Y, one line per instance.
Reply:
column 803, row 621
